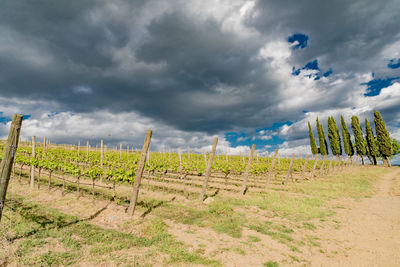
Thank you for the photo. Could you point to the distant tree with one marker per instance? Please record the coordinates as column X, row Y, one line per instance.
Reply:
column 313, row 144
column 323, row 146
column 382, row 135
column 334, row 137
column 373, row 149
column 358, row 137
column 395, row 147
column 348, row 146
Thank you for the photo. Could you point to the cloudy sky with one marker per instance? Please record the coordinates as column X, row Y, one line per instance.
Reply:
column 245, row 71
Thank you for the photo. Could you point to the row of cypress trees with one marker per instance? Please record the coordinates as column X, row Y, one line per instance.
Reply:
column 371, row 146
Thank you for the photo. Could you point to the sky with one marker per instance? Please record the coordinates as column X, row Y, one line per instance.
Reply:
column 249, row 72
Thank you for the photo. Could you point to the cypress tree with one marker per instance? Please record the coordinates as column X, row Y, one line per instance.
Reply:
column 348, row 146
column 334, row 137
column 313, row 144
column 367, row 152
column 371, row 145
column 358, row 137
column 323, row 146
column 382, row 135
column 395, row 147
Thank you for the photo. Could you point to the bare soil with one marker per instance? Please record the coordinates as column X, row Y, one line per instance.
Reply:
column 364, row 232
column 369, row 232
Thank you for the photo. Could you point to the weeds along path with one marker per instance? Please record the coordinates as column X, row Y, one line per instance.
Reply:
column 370, row 231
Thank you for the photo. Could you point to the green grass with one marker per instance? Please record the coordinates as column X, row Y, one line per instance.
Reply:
column 356, row 185
column 219, row 215
column 47, row 237
column 312, row 197
column 278, row 232
column 253, row 238
column 271, row 264
column 299, row 208
column 166, row 243
column 309, row 226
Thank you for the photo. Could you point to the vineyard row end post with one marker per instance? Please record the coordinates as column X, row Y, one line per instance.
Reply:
column 139, row 173
column 32, row 180
column 289, row 172
column 246, row 174
column 271, row 170
column 8, row 160
column 208, row 170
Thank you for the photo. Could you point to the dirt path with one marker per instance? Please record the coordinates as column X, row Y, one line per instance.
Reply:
column 370, row 231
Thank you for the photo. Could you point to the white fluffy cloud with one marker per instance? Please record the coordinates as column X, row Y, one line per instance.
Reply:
column 191, row 71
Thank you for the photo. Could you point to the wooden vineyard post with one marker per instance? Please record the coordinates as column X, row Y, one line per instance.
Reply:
column 32, row 181
column 180, row 161
column 304, row 167
column 322, row 171
column 8, row 160
column 77, row 186
column 315, row 165
column 87, row 149
column 79, row 147
column 246, row 174
column 38, row 178
column 271, row 170
column 208, row 170
column 334, row 165
column 342, row 163
column 120, row 151
column 328, row 170
column 139, row 173
column 289, row 172
column 101, row 152
column 44, row 145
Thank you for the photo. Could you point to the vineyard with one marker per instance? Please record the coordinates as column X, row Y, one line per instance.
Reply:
column 71, row 203
column 182, row 173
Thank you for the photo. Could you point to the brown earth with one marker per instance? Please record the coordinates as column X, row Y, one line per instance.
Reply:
column 369, row 234
column 364, row 232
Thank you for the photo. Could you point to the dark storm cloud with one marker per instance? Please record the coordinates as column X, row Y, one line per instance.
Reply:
column 344, row 34
column 159, row 59
column 196, row 58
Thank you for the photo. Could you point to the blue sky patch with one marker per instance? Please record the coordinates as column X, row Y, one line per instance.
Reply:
column 326, row 74
column 295, row 71
column 241, row 139
column 276, row 126
column 4, row 120
column 312, row 65
column 394, row 63
column 302, row 40
column 271, row 144
column 7, row 119
column 375, row 86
